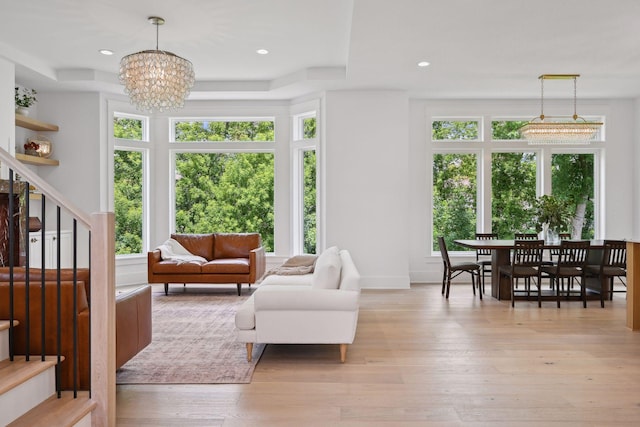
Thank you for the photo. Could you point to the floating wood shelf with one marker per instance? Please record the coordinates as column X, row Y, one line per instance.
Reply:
column 33, row 124
column 34, row 160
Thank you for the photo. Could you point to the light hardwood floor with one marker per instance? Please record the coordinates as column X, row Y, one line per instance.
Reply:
column 420, row 360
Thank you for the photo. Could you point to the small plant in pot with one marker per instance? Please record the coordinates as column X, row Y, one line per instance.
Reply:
column 552, row 215
column 25, row 98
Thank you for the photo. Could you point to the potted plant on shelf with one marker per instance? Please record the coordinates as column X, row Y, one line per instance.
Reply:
column 25, row 98
column 553, row 216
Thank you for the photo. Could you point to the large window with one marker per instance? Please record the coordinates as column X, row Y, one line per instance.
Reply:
column 454, row 197
column 128, row 183
column 493, row 186
column 572, row 180
column 305, row 202
column 513, row 193
column 228, row 187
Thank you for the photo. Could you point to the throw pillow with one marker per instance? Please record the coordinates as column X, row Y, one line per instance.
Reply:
column 326, row 274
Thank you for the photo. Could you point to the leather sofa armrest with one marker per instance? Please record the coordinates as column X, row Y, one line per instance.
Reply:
column 153, row 257
column 257, row 264
column 133, row 323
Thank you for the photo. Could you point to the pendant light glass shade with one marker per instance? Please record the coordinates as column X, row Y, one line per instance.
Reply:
column 156, row 80
column 559, row 130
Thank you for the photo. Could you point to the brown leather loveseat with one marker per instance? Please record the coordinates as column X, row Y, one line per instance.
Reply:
column 133, row 319
column 228, row 258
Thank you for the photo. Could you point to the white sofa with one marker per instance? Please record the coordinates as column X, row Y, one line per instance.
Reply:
column 316, row 308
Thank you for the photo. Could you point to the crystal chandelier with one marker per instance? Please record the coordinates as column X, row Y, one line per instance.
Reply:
column 156, row 80
column 562, row 130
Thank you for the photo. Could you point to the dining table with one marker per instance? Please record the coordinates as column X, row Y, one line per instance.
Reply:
column 500, row 256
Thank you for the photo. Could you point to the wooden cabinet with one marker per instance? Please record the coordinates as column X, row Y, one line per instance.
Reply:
column 36, row 125
column 50, row 244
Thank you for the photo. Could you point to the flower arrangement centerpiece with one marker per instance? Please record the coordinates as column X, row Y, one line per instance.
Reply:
column 25, row 98
column 553, row 215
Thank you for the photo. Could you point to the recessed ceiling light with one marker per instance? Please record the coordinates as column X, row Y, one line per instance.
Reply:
column 262, row 51
column 423, row 64
column 106, row 52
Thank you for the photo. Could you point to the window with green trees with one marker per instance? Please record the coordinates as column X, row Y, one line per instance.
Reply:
column 309, row 208
column 225, row 191
column 454, row 197
column 513, row 185
column 128, row 184
column 572, row 180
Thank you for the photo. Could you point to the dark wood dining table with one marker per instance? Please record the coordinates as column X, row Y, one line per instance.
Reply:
column 500, row 256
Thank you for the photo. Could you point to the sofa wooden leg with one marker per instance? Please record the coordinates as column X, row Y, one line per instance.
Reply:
column 343, row 353
column 239, row 288
column 249, row 351
column 166, row 289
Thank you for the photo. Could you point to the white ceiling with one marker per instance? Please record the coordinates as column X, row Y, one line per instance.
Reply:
column 477, row 48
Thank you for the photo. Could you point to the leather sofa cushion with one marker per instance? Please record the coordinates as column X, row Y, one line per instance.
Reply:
column 235, row 245
column 227, row 266
column 197, row 244
column 177, row 267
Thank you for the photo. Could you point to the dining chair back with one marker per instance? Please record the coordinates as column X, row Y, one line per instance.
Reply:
column 453, row 270
column 525, row 236
column 526, row 263
column 613, row 264
column 485, row 264
column 571, row 265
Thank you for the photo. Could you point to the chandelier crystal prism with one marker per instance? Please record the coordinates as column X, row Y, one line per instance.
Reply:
column 156, row 80
column 561, row 130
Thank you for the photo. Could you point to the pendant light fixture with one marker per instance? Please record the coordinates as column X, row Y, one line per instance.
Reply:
column 559, row 130
column 156, row 80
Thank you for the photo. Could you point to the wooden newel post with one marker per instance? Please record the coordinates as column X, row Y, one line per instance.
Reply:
column 633, row 285
column 103, row 319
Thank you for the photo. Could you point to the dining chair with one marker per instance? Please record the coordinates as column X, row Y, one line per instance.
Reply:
column 613, row 264
column 524, row 236
column 485, row 264
column 454, row 270
column 526, row 264
column 571, row 264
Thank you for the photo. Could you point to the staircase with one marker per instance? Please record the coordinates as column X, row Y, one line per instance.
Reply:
column 30, row 389
column 27, row 392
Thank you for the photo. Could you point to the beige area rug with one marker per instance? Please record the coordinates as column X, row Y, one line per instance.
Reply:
column 193, row 340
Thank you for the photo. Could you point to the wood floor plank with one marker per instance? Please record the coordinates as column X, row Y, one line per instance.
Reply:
column 419, row 359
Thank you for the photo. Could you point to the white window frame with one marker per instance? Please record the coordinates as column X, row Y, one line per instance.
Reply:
column 141, row 146
column 299, row 145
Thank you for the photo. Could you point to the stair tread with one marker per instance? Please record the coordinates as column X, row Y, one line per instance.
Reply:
column 63, row 411
column 15, row 373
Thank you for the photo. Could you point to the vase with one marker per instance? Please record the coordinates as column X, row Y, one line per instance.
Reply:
column 22, row 111
column 552, row 236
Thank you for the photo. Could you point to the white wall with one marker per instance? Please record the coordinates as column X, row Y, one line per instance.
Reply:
column 365, row 167
column 7, row 109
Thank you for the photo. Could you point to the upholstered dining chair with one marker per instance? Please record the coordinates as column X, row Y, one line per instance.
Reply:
column 613, row 264
column 526, row 264
column 481, row 258
column 454, row 270
column 571, row 264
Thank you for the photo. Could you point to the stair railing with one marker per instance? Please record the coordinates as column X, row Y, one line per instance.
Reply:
column 100, row 295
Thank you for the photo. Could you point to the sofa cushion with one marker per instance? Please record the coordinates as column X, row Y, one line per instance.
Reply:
column 197, row 244
column 227, row 266
column 235, row 245
column 177, row 267
column 326, row 274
